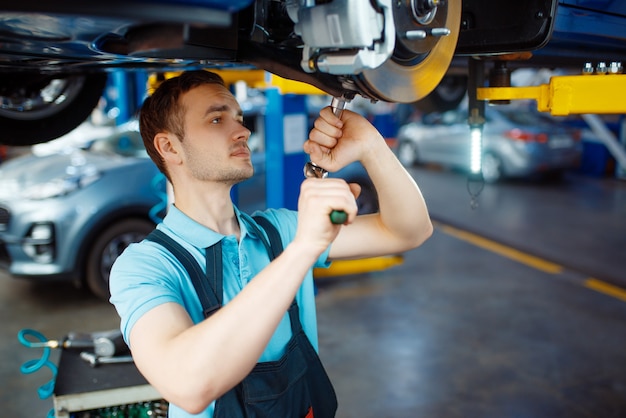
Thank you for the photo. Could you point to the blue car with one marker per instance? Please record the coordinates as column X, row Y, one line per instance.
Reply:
column 68, row 214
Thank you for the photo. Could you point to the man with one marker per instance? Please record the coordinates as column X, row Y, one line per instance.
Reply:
column 192, row 127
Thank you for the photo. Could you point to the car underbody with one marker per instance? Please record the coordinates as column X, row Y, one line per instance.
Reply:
column 55, row 56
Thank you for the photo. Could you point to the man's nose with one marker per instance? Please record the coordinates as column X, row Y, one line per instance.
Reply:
column 243, row 132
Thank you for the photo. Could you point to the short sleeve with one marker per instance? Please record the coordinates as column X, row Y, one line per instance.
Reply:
column 143, row 277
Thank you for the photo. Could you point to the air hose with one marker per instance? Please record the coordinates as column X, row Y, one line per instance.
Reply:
column 44, row 391
column 32, row 366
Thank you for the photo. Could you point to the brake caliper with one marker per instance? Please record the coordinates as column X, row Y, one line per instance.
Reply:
column 344, row 36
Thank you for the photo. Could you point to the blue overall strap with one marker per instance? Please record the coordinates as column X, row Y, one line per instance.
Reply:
column 207, row 294
column 214, row 280
column 210, row 290
column 275, row 246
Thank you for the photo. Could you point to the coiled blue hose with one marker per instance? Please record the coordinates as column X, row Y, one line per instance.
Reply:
column 32, row 366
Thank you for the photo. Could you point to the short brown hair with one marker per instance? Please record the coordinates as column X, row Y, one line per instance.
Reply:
column 163, row 111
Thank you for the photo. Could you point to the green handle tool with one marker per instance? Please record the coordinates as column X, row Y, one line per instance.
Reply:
column 313, row 170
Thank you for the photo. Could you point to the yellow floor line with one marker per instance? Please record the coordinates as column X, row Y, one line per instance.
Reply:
column 606, row 288
column 535, row 262
column 503, row 250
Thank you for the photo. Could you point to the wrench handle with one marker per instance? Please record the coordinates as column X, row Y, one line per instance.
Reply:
column 338, row 217
column 311, row 169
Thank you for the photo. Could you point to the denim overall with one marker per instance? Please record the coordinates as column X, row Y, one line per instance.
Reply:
column 296, row 385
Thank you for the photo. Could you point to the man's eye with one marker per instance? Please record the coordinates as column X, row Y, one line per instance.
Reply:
column 216, row 120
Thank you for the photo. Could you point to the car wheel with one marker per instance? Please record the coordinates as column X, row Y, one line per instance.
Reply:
column 107, row 247
column 492, row 168
column 407, row 153
column 37, row 108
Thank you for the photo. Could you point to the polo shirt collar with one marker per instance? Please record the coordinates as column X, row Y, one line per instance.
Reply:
column 197, row 234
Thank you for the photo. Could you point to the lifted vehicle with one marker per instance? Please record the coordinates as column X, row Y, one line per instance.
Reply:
column 54, row 55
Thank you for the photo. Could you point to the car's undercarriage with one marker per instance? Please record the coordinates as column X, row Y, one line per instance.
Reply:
column 54, row 57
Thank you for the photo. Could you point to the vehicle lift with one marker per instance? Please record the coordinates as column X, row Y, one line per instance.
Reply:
column 596, row 90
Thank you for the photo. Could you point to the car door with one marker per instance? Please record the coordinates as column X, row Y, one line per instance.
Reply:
column 448, row 141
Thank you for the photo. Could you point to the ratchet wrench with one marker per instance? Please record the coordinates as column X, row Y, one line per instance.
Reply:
column 313, row 170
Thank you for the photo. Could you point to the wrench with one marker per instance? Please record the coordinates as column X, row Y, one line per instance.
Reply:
column 313, row 170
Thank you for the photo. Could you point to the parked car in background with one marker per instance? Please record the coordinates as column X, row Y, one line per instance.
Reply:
column 68, row 213
column 518, row 142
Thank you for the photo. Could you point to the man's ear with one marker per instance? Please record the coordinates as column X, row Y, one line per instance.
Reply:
column 167, row 145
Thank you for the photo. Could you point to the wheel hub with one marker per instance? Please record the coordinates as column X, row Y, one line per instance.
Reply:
column 426, row 37
column 424, row 11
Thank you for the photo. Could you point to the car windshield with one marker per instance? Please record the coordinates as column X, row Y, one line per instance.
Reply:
column 126, row 143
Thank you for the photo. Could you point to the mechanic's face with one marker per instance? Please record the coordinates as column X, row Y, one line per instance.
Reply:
column 216, row 142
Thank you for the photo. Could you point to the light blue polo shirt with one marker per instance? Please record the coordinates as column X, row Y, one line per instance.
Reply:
column 147, row 275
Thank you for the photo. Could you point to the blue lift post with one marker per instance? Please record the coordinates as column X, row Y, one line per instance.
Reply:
column 286, row 129
column 128, row 95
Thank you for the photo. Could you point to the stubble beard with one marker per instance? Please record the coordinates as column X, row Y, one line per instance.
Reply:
column 213, row 169
column 218, row 171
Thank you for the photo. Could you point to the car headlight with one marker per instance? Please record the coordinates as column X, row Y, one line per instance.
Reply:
column 62, row 186
column 39, row 243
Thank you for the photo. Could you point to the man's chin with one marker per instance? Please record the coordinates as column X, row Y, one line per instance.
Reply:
column 243, row 176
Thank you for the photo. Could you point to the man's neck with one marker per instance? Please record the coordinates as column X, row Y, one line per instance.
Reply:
column 213, row 210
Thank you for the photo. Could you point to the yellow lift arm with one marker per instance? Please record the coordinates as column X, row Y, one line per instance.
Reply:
column 588, row 94
column 571, row 94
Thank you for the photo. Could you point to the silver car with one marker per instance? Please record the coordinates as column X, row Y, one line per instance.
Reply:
column 517, row 142
column 67, row 215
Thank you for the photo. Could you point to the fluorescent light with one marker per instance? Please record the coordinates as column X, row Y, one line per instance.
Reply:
column 476, row 146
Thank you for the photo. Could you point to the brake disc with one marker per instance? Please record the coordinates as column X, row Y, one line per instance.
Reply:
column 426, row 35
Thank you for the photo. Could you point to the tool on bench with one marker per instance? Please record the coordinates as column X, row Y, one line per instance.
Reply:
column 104, row 343
column 96, row 360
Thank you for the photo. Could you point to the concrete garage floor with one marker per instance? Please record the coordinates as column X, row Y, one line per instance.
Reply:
column 470, row 328
column 466, row 327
